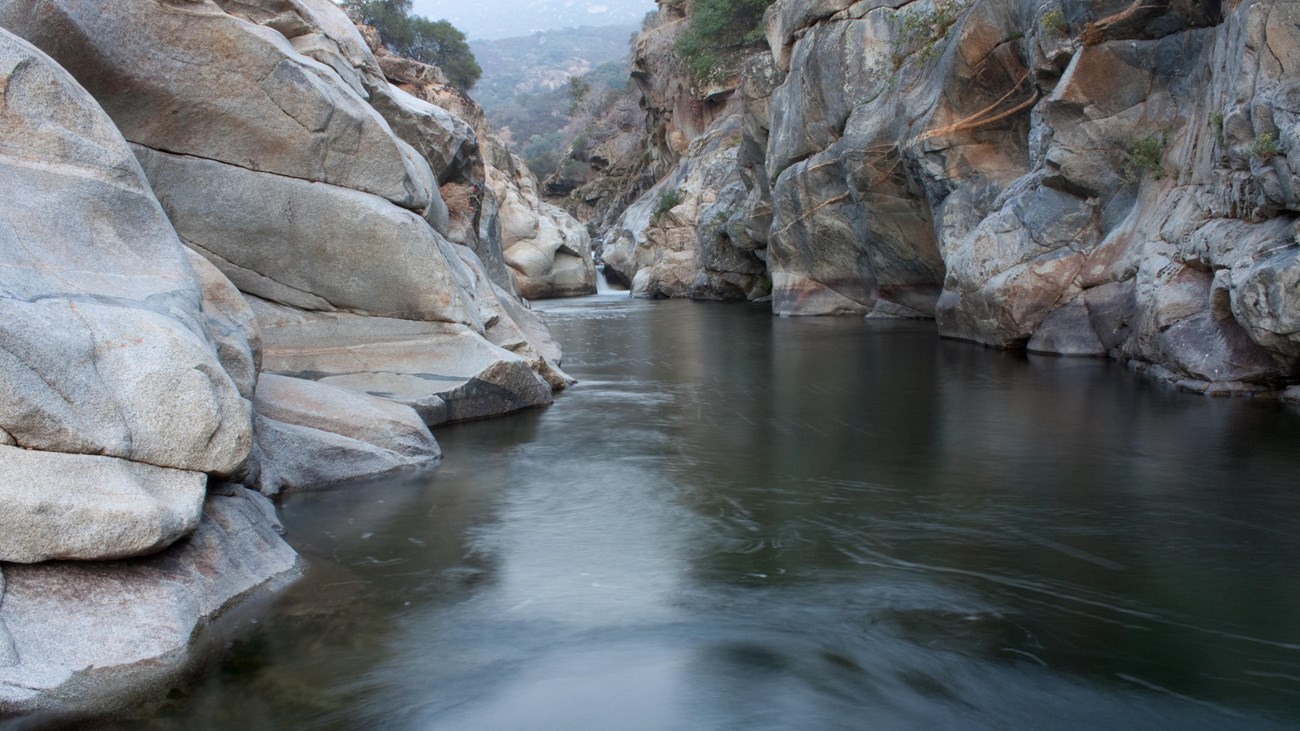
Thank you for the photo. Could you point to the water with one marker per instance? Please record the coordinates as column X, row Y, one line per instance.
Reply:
column 740, row 522
column 603, row 287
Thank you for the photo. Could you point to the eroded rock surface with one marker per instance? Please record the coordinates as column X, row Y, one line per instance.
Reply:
column 1105, row 178
column 493, row 199
column 91, row 635
column 103, row 341
column 311, row 434
column 79, row 506
column 445, row 372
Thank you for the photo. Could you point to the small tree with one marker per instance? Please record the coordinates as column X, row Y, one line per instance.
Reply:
column 435, row 42
column 715, row 27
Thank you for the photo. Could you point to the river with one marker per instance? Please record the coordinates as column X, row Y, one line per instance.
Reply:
column 736, row 521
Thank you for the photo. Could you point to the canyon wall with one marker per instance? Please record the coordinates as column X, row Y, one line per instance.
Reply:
column 237, row 260
column 1100, row 178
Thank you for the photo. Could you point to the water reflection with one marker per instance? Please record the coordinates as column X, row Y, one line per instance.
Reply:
column 740, row 522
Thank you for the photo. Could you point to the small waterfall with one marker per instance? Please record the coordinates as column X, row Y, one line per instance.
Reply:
column 602, row 285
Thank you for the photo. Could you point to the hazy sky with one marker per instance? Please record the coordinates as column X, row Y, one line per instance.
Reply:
column 509, row 18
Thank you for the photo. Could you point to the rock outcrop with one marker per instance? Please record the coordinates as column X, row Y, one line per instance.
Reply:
column 227, row 264
column 1089, row 178
column 91, row 636
column 109, row 377
column 494, row 205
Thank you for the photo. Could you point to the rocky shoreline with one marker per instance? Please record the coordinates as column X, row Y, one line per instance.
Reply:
column 245, row 251
column 1104, row 178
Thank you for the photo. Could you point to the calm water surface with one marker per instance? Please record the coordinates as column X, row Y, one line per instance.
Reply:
column 740, row 522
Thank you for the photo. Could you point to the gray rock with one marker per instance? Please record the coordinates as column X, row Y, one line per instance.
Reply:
column 298, row 457
column 232, row 325
column 1067, row 331
column 301, row 243
column 8, row 655
column 446, row 372
column 79, row 506
column 514, row 326
column 92, row 637
column 311, row 434
column 191, row 79
column 104, row 346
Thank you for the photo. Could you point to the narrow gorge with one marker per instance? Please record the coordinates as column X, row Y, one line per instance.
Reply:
column 1076, row 178
column 251, row 257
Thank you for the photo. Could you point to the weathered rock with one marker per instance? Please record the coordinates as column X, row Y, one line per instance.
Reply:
column 684, row 237
column 8, row 655
column 554, row 258
column 104, row 346
column 191, row 79
column 232, row 325
column 445, row 372
column 92, row 637
column 311, row 435
column 79, row 506
column 524, row 244
column 514, row 326
column 309, row 245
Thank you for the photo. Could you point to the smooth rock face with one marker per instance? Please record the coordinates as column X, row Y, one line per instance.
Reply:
column 104, row 347
column 78, row 506
column 232, row 325
column 309, row 245
column 311, row 434
column 188, row 78
column 91, row 637
column 445, row 372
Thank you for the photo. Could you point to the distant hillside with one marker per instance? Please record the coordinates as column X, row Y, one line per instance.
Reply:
column 544, row 61
column 516, row 18
column 525, row 88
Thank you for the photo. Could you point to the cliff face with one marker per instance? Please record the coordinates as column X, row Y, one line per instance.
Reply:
column 229, row 261
column 538, row 249
column 1088, row 178
column 680, row 235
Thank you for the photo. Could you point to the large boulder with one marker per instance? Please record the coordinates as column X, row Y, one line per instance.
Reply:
column 104, row 346
column 191, row 79
column 309, row 245
column 311, row 434
column 446, row 372
column 79, row 506
column 94, row 636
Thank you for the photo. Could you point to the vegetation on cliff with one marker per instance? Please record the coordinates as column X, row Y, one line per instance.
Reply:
column 435, row 42
column 717, row 29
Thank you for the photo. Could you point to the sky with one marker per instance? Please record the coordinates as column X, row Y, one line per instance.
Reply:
column 511, row 18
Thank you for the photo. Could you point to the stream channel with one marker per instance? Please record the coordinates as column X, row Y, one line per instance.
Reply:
column 736, row 521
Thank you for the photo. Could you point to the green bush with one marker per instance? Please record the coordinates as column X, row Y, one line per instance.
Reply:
column 1053, row 21
column 435, row 42
column 920, row 31
column 668, row 200
column 1264, row 146
column 1216, row 123
column 1144, row 154
column 718, row 26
